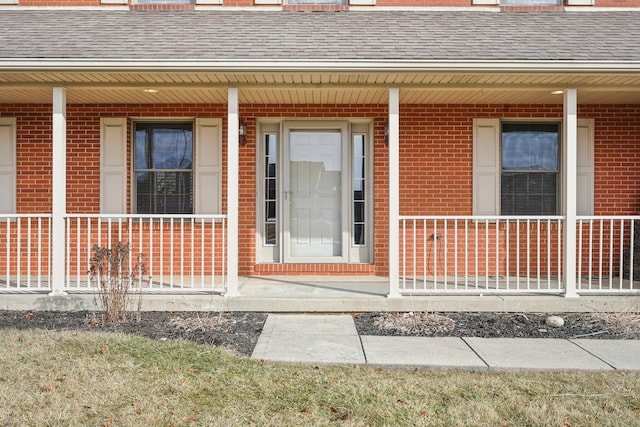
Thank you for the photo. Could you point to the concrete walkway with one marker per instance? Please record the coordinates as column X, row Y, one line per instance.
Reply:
column 333, row 339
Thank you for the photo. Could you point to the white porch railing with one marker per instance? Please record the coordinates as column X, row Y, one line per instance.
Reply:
column 608, row 254
column 180, row 252
column 25, row 252
column 481, row 254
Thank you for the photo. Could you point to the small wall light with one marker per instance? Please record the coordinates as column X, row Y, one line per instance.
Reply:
column 242, row 133
column 386, row 134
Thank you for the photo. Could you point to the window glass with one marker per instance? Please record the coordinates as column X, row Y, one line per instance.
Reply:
column 332, row 2
column 359, row 202
column 164, row 168
column 270, row 188
column 531, row 2
column 530, row 168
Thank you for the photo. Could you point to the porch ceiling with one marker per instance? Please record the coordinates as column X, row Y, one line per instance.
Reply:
column 319, row 88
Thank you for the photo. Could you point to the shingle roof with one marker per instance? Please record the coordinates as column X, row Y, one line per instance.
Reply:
column 325, row 36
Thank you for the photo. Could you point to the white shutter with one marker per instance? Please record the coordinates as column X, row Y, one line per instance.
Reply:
column 585, row 167
column 486, row 166
column 208, row 166
column 7, row 165
column 113, row 165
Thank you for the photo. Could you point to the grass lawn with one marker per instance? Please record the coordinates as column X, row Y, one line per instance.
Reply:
column 92, row 379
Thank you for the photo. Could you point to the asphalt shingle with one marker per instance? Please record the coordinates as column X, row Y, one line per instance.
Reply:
column 326, row 36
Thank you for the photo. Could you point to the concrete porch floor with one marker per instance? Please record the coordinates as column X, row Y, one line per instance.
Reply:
column 329, row 295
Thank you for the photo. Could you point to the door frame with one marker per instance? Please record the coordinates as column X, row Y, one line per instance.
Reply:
column 273, row 253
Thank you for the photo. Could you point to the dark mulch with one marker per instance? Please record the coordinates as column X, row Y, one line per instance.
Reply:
column 500, row 325
column 239, row 332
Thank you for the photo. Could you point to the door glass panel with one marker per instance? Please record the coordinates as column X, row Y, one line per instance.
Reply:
column 358, row 189
column 315, row 227
column 270, row 187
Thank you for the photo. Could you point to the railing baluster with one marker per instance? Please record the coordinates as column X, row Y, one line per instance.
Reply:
column 476, row 260
column 497, row 243
column 202, row 253
column 517, row 254
column 425, row 262
column 192, row 253
column 486, row 254
column 611, row 253
column 404, row 254
column 600, row 254
column 455, row 254
column 19, row 254
column 538, row 254
column 152, row 237
column 508, row 256
column 414, row 257
column 39, row 263
column 8, row 261
column 435, row 255
column 466, row 255
column 28, row 253
column 560, row 225
column 549, row 254
column 620, row 272
column 181, row 252
column 446, row 254
column 631, row 252
column 161, row 253
column 528, row 253
column 171, row 252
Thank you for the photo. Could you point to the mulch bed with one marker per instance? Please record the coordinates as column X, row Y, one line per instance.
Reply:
column 239, row 331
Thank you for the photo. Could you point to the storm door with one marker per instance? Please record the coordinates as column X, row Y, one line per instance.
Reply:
column 316, row 190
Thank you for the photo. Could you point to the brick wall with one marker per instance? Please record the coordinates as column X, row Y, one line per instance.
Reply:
column 435, row 160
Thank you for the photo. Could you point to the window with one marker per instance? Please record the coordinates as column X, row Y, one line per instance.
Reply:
column 359, row 189
column 163, row 167
column 530, row 172
column 530, row 2
column 317, row 2
column 270, row 188
column 516, row 167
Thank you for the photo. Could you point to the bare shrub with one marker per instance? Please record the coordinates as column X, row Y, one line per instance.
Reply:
column 114, row 279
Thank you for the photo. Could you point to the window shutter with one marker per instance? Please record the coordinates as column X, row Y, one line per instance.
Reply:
column 7, row 165
column 208, row 167
column 486, row 166
column 113, row 165
column 585, row 167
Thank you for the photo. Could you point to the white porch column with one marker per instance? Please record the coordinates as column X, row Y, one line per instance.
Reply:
column 394, row 193
column 232, row 192
column 59, row 190
column 570, row 190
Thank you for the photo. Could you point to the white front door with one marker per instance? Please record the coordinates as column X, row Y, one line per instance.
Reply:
column 314, row 190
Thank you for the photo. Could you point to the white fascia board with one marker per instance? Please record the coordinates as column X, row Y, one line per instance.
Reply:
column 106, row 65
